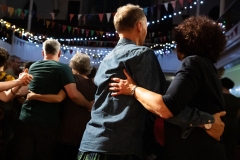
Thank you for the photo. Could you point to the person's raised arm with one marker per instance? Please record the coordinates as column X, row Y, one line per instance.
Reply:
column 76, row 96
column 50, row 98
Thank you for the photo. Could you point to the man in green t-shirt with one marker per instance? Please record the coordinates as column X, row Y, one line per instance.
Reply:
column 40, row 120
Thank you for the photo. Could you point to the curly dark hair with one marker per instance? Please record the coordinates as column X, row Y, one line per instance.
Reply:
column 199, row 35
column 4, row 55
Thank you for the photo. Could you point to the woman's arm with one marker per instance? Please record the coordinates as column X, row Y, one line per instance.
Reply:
column 50, row 98
column 150, row 100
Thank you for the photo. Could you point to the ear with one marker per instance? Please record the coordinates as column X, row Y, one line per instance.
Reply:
column 42, row 53
column 59, row 53
column 139, row 26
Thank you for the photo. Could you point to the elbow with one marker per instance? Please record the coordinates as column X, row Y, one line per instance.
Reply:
column 163, row 111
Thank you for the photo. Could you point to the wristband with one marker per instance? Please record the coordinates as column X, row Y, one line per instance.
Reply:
column 133, row 90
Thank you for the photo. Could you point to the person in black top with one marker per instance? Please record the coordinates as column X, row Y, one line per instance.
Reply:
column 232, row 106
column 200, row 42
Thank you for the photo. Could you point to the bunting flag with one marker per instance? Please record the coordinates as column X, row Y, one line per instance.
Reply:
column 22, row 15
column 89, row 16
column 64, row 28
column 79, row 16
column 4, row 8
column 87, row 31
column 152, row 9
column 97, row 32
column 53, row 23
column 153, row 34
column 173, row 4
column 25, row 12
column 16, row 11
column 166, row 6
column 19, row 12
column 69, row 29
column 92, row 32
column 100, row 17
column 164, row 38
column 101, row 33
column 78, row 29
column 10, row 11
column 101, row 43
column 47, row 23
column 145, row 10
column 83, row 31
column 181, row 2
column 84, row 18
column 190, row 1
column 108, row 16
column 53, row 15
column 59, row 26
column 71, row 16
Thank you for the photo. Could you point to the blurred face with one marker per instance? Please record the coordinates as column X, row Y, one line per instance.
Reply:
column 16, row 64
column 143, row 32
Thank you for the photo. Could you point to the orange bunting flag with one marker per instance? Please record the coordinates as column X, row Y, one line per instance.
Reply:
column 10, row 11
column 100, row 17
column 101, row 33
column 71, row 16
column 47, row 23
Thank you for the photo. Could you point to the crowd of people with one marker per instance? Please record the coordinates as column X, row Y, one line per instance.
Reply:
column 123, row 110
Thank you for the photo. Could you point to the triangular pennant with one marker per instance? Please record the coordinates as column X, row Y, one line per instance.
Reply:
column 92, row 32
column 53, row 15
column 4, row 8
column 47, row 23
column 101, row 43
column 190, row 1
column 25, row 12
column 107, row 34
column 83, row 31
column 101, row 33
column 53, row 23
column 84, row 18
column 69, row 29
column 87, row 31
column 22, row 15
column 166, row 6
column 108, row 16
column 78, row 29
column 64, row 28
column 97, row 32
column 59, row 26
column 10, row 11
column 16, row 11
column 164, row 38
column 19, row 11
column 145, row 10
column 173, row 4
column 152, row 9
column 71, row 16
column 100, row 17
column 153, row 34
column 89, row 16
column 79, row 16
column 181, row 2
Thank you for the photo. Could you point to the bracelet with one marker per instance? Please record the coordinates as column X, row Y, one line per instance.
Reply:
column 13, row 92
column 133, row 90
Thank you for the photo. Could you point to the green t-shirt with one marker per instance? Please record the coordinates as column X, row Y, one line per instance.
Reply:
column 49, row 77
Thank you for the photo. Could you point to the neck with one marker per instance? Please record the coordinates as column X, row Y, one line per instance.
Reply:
column 132, row 36
column 50, row 57
column 226, row 91
column 2, row 68
column 83, row 75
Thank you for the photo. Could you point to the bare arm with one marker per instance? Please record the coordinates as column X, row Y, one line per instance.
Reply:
column 50, row 98
column 150, row 100
column 76, row 96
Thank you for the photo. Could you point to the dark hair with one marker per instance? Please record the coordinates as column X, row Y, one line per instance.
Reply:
column 227, row 83
column 201, row 36
column 4, row 55
column 27, row 64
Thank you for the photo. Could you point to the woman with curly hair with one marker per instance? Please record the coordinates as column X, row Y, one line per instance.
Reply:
column 200, row 42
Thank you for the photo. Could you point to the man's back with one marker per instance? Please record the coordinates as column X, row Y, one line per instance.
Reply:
column 49, row 78
column 117, row 123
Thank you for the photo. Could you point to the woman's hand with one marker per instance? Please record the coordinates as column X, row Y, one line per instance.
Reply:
column 120, row 86
column 25, row 78
column 30, row 95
